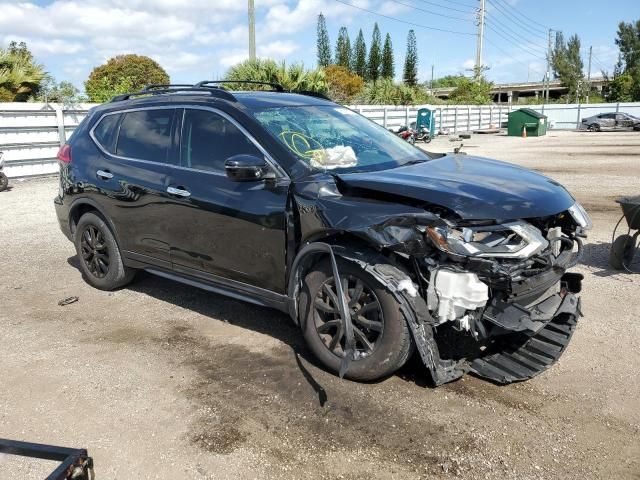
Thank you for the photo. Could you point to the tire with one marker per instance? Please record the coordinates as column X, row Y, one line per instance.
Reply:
column 4, row 182
column 427, row 139
column 100, row 259
column 391, row 338
column 594, row 127
column 622, row 252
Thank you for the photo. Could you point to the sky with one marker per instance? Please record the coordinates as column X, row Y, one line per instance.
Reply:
column 201, row 39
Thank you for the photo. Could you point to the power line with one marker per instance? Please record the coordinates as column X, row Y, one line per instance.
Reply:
column 512, row 39
column 429, row 11
column 462, row 3
column 495, row 19
column 472, row 9
column 525, row 17
column 405, row 21
column 529, row 44
column 595, row 57
column 509, row 54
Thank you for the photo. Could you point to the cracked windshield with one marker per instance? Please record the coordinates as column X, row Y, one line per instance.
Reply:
column 337, row 139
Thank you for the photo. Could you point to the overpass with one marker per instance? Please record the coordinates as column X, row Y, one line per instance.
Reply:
column 512, row 92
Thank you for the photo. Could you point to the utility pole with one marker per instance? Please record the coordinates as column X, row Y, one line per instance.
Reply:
column 478, row 71
column 548, row 74
column 431, row 83
column 589, row 73
column 252, row 31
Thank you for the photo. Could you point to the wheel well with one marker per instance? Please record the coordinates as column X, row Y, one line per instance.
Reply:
column 77, row 212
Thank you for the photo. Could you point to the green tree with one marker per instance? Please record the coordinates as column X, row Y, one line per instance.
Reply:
column 626, row 80
column 323, row 46
column 567, row 62
column 122, row 74
column 410, row 74
column 294, row 77
column 359, row 56
column 344, row 86
column 470, row 92
column 388, row 65
column 20, row 74
column 375, row 54
column 449, row 81
column 63, row 92
column 343, row 49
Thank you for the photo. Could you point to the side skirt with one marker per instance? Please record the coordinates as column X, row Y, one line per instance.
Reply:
column 211, row 283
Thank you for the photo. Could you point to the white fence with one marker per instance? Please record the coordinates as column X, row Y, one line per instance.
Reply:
column 467, row 118
column 31, row 133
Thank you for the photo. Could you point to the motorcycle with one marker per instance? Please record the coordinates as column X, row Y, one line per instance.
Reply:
column 4, row 181
column 421, row 136
column 406, row 133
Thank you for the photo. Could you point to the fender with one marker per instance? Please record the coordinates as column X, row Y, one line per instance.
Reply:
column 400, row 285
column 79, row 202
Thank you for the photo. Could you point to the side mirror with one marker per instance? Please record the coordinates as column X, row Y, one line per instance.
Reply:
column 247, row 168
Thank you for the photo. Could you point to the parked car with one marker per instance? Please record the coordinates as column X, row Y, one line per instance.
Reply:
column 374, row 247
column 611, row 121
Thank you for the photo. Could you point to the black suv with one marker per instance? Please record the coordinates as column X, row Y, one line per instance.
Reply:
column 374, row 247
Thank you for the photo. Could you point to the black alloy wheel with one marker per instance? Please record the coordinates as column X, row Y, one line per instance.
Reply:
column 365, row 312
column 95, row 252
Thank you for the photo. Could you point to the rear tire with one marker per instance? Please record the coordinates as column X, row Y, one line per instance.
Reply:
column 100, row 259
column 388, row 335
column 4, row 182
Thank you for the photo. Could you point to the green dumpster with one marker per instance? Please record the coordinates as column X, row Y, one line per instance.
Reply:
column 534, row 122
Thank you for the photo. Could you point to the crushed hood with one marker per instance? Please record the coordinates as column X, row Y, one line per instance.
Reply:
column 474, row 188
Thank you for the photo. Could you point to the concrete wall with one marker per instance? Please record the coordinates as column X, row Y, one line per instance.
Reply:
column 31, row 133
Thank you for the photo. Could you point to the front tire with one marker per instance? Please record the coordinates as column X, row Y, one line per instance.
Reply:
column 383, row 339
column 100, row 259
column 4, row 182
column 622, row 252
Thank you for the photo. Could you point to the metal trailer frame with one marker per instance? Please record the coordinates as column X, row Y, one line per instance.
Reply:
column 75, row 463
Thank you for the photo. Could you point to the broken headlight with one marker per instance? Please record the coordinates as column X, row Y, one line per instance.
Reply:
column 581, row 217
column 517, row 240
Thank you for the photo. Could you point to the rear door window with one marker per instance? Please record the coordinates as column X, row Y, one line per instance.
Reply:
column 106, row 132
column 146, row 135
column 209, row 139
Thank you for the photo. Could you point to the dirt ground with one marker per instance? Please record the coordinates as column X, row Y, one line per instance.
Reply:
column 160, row 380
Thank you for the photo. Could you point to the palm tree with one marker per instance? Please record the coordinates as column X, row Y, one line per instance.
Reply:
column 295, row 77
column 20, row 75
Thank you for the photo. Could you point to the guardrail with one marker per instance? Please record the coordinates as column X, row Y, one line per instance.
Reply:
column 31, row 133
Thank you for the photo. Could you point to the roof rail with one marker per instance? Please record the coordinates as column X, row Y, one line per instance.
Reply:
column 276, row 86
column 309, row 93
column 163, row 89
column 153, row 86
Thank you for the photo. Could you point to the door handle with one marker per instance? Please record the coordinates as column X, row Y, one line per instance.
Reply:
column 181, row 192
column 104, row 174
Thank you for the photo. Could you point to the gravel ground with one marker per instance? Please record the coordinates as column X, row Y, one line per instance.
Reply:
column 160, row 380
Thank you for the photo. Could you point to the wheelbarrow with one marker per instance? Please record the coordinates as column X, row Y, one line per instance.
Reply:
column 626, row 247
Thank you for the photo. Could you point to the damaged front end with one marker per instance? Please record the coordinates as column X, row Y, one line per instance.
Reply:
column 489, row 297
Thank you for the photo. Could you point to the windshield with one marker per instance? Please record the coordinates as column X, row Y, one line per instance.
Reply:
column 337, row 139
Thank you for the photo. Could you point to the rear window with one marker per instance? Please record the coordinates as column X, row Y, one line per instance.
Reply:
column 146, row 135
column 106, row 132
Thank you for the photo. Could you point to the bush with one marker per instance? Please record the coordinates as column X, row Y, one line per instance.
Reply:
column 343, row 86
column 122, row 74
column 293, row 78
column 470, row 92
column 386, row 92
